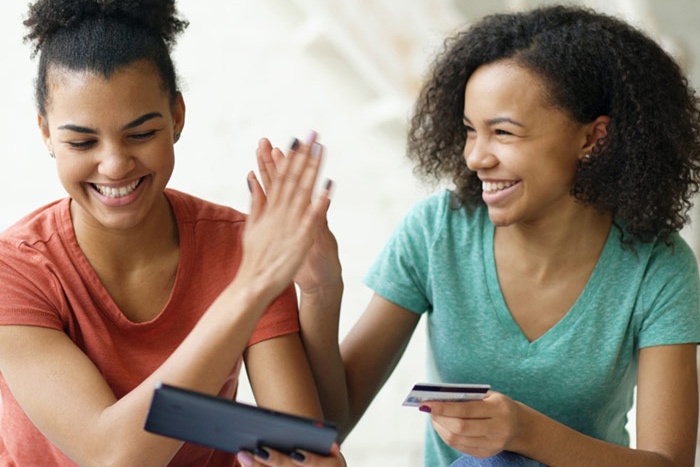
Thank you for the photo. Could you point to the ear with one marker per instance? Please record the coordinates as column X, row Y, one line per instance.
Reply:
column 45, row 132
column 595, row 132
column 178, row 115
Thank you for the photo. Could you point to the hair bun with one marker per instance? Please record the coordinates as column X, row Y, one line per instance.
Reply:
column 46, row 17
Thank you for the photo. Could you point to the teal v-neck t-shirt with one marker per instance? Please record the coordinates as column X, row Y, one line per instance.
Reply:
column 582, row 372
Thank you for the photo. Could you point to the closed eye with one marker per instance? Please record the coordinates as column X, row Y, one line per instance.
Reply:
column 82, row 144
column 143, row 136
column 503, row 132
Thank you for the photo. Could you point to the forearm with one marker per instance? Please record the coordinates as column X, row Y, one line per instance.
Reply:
column 555, row 444
column 319, row 317
column 201, row 362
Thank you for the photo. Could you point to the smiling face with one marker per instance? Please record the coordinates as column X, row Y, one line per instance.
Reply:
column 113, row 142
column 523, row 149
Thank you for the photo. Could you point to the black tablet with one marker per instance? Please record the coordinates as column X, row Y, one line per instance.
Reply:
column 231, row 426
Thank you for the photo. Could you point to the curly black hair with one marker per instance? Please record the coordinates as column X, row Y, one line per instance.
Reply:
column 103, row 36
column 644, row 172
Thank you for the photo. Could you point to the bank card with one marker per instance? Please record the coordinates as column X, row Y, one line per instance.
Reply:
column 450, row 392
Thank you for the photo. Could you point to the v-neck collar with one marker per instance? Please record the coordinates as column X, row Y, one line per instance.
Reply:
column 102, row 296
column 566, row 323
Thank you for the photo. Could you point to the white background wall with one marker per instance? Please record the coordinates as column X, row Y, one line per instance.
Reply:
column 247, row 73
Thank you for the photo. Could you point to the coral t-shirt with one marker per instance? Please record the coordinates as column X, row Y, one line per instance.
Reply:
column 46, row 280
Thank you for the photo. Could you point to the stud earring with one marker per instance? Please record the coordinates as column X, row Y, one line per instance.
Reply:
column 587, row 157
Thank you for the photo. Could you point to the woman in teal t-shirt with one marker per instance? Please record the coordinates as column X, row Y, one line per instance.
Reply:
column 552, row 269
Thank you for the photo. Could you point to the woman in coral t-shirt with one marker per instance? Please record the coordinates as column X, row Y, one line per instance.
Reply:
column 126, row 283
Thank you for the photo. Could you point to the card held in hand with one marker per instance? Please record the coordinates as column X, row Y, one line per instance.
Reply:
column 450, row 392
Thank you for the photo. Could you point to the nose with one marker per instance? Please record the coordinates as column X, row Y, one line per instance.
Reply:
column 115, row 161
column 478, row 154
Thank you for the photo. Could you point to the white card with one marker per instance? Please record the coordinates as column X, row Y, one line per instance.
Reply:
column 444, row 392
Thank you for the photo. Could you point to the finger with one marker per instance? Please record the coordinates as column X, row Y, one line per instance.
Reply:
column 270, row 457
column 461, row 440
column 258, row 198
column 315, row 217
column 278, row 156
column 278, row 160
column 265, row 163
column 309, row 459
column 246, row 459
column 299, row 174
column 323, row 203
column 461, row 409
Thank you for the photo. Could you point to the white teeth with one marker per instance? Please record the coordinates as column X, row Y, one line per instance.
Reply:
column 490, row 187
column 117, row 192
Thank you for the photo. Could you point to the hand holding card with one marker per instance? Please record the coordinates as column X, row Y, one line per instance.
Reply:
column 451, row 392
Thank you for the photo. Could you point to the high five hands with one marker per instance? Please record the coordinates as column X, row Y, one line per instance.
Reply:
column 322, row 266
column 283, row 220
column 305, row 249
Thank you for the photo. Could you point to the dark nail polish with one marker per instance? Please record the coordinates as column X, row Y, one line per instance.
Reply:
column 250, row 185
column 297, row 456
column 294, row 145
column 425, row 408
column 316, row 149
column 328, row 185
column 261, row 453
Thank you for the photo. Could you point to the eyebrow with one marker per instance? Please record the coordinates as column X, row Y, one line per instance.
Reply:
column 496, row 121
column 139, row 121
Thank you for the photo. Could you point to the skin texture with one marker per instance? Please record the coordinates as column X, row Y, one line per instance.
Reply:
column 546, row 246
column 96, row 128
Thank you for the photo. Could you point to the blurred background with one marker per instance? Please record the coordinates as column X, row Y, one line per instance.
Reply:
column 277, row 68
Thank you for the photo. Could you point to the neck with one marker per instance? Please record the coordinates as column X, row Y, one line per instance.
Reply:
column 544, row 248
column 128, row 249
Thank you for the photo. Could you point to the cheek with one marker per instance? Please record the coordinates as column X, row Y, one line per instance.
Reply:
column 71, row 171
column 161, row 160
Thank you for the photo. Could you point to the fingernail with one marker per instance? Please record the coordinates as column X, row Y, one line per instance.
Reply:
column 261, row 453
column 294, row 145
column 316, row 149
column 328, row 185
column 245, row 459
column 425, row 408
column 250, row 185
column 297, row 456
column 311, row 137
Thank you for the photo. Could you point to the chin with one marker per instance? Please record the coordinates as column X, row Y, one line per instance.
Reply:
column 500, row 219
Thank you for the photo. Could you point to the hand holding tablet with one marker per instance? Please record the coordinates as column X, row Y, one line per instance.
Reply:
column 451, row 392
column 233, row 426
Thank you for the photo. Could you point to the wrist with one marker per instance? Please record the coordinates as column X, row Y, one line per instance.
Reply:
column 330, row 292
column 247, row 296
column 526, row 430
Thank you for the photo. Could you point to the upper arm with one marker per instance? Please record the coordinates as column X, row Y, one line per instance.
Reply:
column 667, row 402
column 372, row 350
column 280, row 376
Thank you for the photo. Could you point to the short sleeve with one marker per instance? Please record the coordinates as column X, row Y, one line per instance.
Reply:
column 399, row 274
column 280, row 318
column 672, row 300
column 28, row 289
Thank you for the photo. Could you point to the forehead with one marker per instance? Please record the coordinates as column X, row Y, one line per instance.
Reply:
column 126, row 90
column 507, row 87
